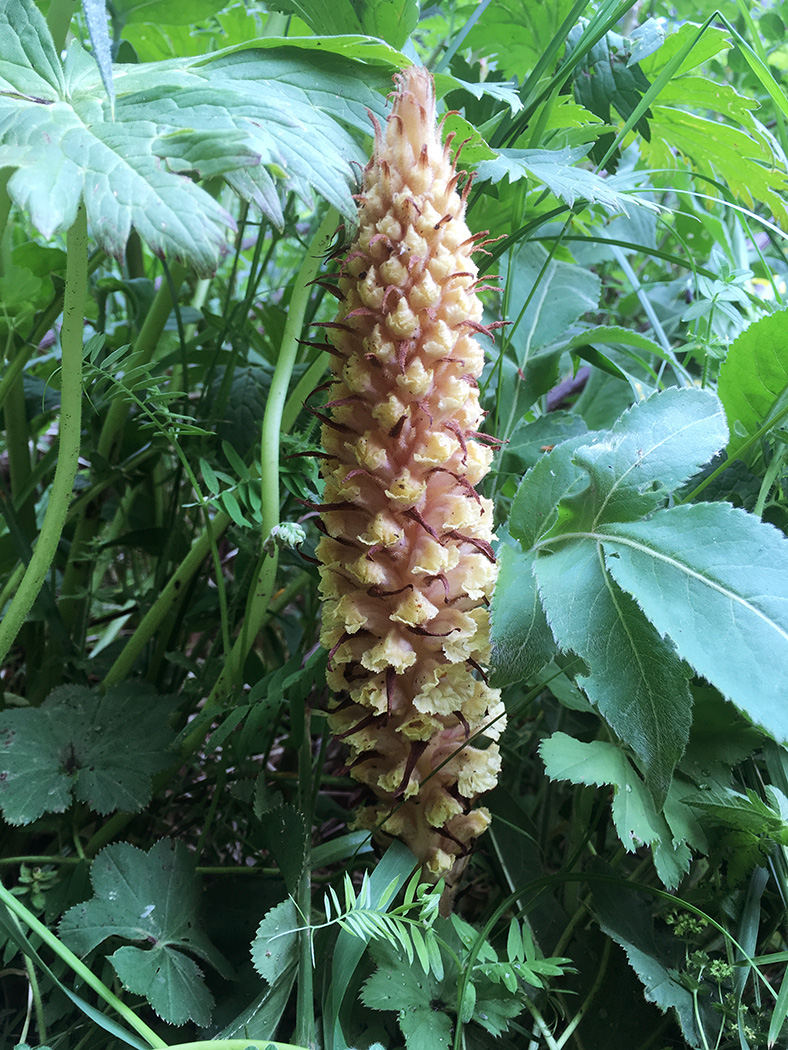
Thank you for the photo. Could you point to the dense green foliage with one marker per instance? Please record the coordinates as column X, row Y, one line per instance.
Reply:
column 177, row 865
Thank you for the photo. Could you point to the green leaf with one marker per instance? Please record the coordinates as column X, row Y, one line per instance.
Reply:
column 531, row 441
column 151, row 898
column 636, row 820
column 633, row 677
column 556, row 475
column 517, row 32
column 714, row 581
column 391, row 20
column 625, row 918
column 649, row 452
column 521, row 637
column 96, row 18
column 285, row 834
column 252, row 115
column 274, row 948
column 558, row 170
column 28, row 61
column 102, row 748
column 754, row 376
column 168, row 12
column 565, row 292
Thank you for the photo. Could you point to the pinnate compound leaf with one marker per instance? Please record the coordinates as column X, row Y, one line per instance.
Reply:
column 151, row 898
column 633, row 676
column 102, row 748
column 754, row 376
column 714, row 581
column 635, row 818
column 274, row 948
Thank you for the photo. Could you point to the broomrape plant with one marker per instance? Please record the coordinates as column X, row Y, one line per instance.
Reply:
column 407, row 562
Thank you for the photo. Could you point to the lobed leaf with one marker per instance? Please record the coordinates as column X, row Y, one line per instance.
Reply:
column 150, row 897
column 103, row 749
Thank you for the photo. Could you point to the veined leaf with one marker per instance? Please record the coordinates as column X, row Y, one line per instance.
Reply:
column 254, row 116
column 563, row 293
column 521, row 637
column 754, row 376
column 517, row 32
column 634, row 677
column 102, row 747
column 650, row 451
column 557, row 169
column 714, row 581
column 275, row 943
column 150, row 898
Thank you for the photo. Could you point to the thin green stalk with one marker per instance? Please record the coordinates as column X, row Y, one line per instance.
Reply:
column 18, row 909
column 260, row 595
column 69, row 434
column 38, row 1005
column 144, row 349
column 305, row 1001
column 166, row 602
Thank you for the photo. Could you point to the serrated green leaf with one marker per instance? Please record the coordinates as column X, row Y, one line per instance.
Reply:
column 169, row 12
column 274, row 948
column 245, row 114
column 521, row 637
column 650, row 450
column 714, row 580
column 153, row 898
column 170, row 981
column 558, row 170
column 555, row 476
column 754, row 376
column 517, row 32
column 284, row 834
column 495, row 1007
column 532, row 440
column 634, row 677
column 103, row 748
column 636, row 820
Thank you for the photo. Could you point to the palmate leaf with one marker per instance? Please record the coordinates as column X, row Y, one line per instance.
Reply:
column 103, row 748
column 257, row 117
column 151, row 898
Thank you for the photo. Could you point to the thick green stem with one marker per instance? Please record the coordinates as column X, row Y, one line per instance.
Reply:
column 69, row 434
column 260, row 595
column 305, row 1001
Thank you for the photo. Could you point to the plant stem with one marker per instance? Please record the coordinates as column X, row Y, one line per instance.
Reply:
column 144, row 349
column 69, row 434
column 18, row 909
column 260, row 595
column 165, row 603
column 305, row 1003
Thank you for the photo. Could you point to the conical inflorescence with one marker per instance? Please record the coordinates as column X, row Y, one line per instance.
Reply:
column 406, row 562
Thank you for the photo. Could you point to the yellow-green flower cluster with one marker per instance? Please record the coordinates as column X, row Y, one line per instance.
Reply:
column 407, row 567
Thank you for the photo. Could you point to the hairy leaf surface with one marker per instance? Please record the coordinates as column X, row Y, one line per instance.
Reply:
column 103, row 748
column 151, row 898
